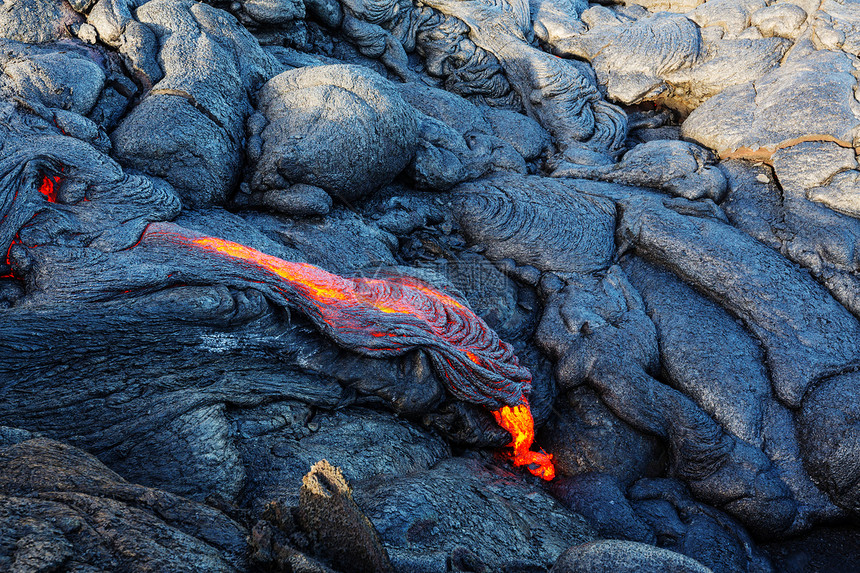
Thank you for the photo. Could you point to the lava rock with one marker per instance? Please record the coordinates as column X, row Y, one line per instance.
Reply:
column 306, row 140
column 277, row 446
column 422, row 517
column 63, row 508
column 624, row 557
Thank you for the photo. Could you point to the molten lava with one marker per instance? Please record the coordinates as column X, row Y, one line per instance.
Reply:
column 518, row 421
column 10, row 273
column 47, row 187
column 386, row 317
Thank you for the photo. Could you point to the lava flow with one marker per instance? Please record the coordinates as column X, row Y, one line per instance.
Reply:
column 518, row 421
column 386, row 317
column 47, row 187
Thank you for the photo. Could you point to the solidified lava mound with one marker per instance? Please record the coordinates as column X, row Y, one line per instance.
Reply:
column 429, row 286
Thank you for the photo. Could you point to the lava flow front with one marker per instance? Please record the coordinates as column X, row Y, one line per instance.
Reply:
column 518, row 421
column 385, row 317
column 47, row 187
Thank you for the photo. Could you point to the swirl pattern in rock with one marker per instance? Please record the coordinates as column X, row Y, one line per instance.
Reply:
column 508, row 214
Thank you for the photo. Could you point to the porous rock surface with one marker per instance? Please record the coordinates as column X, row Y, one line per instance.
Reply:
column 654, row 202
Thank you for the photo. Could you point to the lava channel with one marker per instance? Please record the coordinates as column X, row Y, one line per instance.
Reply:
column 384, row 317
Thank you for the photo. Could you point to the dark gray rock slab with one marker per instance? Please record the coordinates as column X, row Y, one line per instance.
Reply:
column 624, row 557
column 62, row 509
column 278, row 442
column 807, row 334
column 755, row 119
column 308, row 140
column 536, row 222
column 196, row 111
column 586, row 436
column 600, row 499
column 695, row 529
column 733, row 385
column 504, row 521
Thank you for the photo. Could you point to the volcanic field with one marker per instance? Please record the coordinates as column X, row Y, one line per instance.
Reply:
column 408, row 286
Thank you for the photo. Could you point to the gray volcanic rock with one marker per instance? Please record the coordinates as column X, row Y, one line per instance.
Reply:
column 695, row 529
column 197, row 111
column 829, row 438
column 37, row 21
column 784, row 20
column 553, row 91
column 789, row 214
column 678, row 6
column 307, row 141
column 661, row 512
column 775, row 299
column 586, row 436
column 423, row 517
column 734, row 388
column 824, row 549
column 62, row 509
column 279, row 441
column 596, row 330
column 139, row 439
column 723, row 64
column 63, row 79
column 837, row 27
column 537, row 222
column 341, row 241
column 782, row 108
column 731, row 16
column 599, row 498
column 451, row 109
column 624, row 557
column 632, row 59
column 681, row 168
column 242, row 237
column 522, row 132
column 553, row 22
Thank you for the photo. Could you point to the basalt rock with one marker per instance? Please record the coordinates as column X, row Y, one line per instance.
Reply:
column 724, row 63
column 681, row 168
column 279, row 441
column 424, row 516
column 742, row 401
column 694, row 529
column 825, row 549
column 537, row 222
column 586, row 436
column 600, row 499
column 770, row 287
column 784, row 214
column 560, row 94
column 307, row 140
column 201, row 105
column 773, row 112
column 584, row 328
column 62, row 509
column 624, row 556
column 242, row 237
column 633, row 59
column 37, row 21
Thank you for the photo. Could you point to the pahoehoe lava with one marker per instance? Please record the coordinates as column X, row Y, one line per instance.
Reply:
column 429, row 285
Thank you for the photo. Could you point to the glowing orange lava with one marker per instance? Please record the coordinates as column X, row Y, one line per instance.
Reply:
column 319, row 284
column 388, row 317
column 47, row 187
column 518, row 421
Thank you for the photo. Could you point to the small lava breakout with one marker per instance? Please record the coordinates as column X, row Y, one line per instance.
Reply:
column 389, row 317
